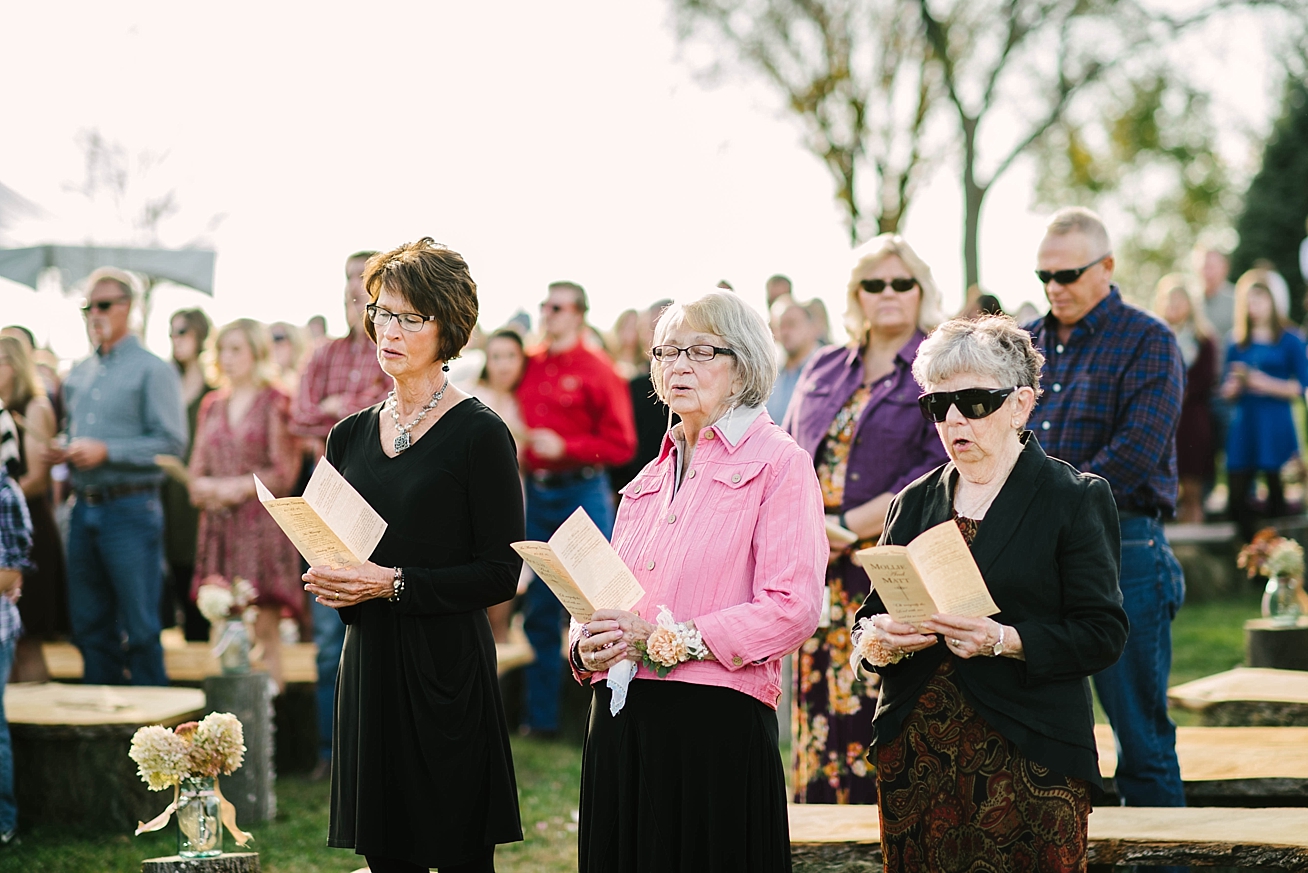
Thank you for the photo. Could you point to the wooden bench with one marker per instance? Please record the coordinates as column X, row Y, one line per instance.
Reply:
column 1232, row 766
column 188, row 662
column 829, row 839
column 192, row 662
column 70, row 750
column 1247, row 696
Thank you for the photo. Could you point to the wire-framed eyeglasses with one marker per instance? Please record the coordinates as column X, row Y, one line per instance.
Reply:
column 410, row 321
column 699, row 353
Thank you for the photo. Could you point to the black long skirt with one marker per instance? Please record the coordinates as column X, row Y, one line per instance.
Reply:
column 686, row 778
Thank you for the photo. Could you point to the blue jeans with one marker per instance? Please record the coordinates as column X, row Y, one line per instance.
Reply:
column 1134, row 690
column 8, row 804
column 543, row 617
column 329, row 637
column 115, row 580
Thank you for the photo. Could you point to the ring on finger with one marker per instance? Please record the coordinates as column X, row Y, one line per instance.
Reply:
column 336, row 594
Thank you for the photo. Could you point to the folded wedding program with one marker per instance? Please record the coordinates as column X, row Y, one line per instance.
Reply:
column 582, row 569
column 935, row 573
column 332, row 525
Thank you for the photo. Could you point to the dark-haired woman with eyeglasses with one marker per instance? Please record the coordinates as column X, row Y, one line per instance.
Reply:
column 855, row 412
column 422, row 773
column 983, row 741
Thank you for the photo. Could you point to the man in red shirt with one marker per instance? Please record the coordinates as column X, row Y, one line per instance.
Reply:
column 578, row 414
column 341, row 378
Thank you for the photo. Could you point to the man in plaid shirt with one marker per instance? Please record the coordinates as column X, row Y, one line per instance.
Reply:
column 15, row 547
column 1113, row 379
column 341, row 378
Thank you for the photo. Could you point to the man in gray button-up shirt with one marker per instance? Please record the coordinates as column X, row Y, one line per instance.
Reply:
column 124, row 408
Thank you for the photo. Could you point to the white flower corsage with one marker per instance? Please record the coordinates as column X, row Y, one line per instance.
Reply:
column 867, row 647
column 671, row 643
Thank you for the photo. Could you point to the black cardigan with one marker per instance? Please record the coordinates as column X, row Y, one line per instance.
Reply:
column 1049, row 549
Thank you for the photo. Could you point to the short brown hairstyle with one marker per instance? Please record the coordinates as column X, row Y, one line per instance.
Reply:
column 583, row 302
column 434, row 280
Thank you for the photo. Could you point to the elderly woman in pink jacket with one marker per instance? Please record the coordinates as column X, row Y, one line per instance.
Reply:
column 725, row 531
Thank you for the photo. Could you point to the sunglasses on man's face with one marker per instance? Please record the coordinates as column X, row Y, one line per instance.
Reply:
column 876, row 286
column 101, row 305
column 971, row 402
column 1066, row 277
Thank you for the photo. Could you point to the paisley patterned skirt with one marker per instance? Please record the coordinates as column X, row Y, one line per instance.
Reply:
column 956, row 795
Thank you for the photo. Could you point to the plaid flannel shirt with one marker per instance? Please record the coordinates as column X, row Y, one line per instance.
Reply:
column 346, row 366
column 15, row 548
column 1112, row 401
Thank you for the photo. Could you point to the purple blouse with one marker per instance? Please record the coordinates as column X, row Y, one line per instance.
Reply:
column 893, row 443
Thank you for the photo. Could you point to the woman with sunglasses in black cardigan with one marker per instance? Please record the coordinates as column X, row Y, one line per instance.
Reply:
column 984, row 733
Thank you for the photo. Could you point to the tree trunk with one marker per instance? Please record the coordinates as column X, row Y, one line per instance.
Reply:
column 228, row 862
column 973, row 194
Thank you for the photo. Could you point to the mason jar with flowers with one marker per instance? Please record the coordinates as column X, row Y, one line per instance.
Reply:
column 189, row 758
column 1281, row 560
column 230, row 608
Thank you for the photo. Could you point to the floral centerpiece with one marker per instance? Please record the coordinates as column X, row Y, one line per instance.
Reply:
column 230, row 608
column 1281, row 560
column 190, row 758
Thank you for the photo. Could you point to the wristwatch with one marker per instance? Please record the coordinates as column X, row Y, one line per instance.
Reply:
column 998, row 648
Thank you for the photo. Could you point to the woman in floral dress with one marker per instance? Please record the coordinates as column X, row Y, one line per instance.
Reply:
column 855, row 411
column 242, row 429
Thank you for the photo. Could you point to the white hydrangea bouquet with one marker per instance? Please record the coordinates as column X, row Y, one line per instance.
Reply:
column 229, row 608
column 205, row 749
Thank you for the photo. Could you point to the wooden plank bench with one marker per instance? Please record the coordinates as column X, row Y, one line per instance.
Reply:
column 188, row 662
column 829, row 838
column 1246, row 696
column 192, row 662
column 70, row 750
column 1232, row 766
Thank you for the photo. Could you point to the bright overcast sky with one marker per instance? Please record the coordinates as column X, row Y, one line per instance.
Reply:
column 541, row 140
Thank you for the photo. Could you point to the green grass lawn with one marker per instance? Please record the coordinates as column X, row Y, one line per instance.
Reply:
column 548, row 776
column 1207, row 638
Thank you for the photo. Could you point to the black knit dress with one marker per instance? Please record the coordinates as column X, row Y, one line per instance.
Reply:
column 421, row 766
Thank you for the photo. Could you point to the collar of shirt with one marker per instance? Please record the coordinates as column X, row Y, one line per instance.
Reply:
column 907, row 352
column 731, row 427
column 1093, row 321
column 128, row 342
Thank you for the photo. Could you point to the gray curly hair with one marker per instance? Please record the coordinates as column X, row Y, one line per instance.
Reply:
column 993, row 345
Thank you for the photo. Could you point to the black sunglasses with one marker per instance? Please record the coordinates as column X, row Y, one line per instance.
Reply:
column 972, row 402
column 876, row 286
column 101, row 305
column 1066, row 277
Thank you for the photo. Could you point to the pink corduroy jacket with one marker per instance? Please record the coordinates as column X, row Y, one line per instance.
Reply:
column 740, row 547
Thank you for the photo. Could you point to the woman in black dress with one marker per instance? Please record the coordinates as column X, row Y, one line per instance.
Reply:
column 422, row 775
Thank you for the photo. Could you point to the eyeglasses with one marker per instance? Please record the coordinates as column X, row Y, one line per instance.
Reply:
column 554, row 307
column 410, row 321
column 1067, row 277
column 876, row 286
column 971, row 402
column 101, row 305
column 698, row 353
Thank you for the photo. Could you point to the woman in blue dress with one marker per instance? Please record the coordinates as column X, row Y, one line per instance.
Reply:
column 1267, row 368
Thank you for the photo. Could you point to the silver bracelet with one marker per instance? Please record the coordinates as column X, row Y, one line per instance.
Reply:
column 397, row 585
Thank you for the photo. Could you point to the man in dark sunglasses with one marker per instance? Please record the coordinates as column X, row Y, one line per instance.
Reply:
column 1113, row 379
column 125, row 408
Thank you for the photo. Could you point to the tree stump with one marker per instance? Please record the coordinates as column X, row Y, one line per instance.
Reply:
column 1282, row 648
column 231, row 862
column 250, row 698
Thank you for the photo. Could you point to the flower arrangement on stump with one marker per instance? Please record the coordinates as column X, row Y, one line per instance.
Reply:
column 1281, row 560
column 190, row 758
column 230, row 609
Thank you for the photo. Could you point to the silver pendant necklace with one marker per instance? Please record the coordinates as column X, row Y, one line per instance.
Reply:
column 402, row 440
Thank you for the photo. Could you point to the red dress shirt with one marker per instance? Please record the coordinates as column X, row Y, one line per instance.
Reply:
column 346, row 366
column 578, row 395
